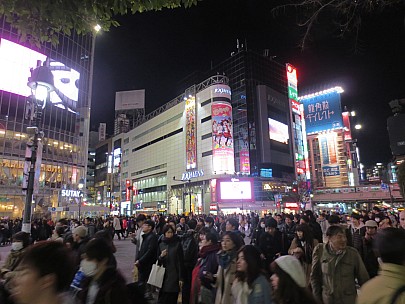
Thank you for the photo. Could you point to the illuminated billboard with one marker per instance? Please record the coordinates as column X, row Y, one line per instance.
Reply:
column 222, row 138
column 278, row 131
column 191, row 129
column 322, row 112
column 329, row 151
column 235, row 190
column 15, row 64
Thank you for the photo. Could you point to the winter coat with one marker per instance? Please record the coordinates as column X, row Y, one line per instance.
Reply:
column 271, row 245
column 381, row 288
column 147, row 253
column 333, row 276
column 306, row 257
column 116, row 223
column 369, row 257
column 190, row 249
column 172, row 262
column 225, row 278
column 12, row 261
column 259, row 293
column 112, row 289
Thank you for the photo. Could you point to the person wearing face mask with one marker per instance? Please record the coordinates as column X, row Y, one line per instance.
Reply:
column 366, row 249
column 103, row 283
column 259, row 230
column 19, row 244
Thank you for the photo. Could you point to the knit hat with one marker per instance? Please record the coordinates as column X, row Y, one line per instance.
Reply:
column 81, row 231
column 293, row 268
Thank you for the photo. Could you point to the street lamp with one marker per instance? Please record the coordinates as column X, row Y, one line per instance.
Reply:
column 41, row 84
column 80, row 186
column 358, row 127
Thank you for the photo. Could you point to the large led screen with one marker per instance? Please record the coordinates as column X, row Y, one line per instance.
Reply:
column 235, row 190
column 323, row 113
column 278, row 131
column 15, row 64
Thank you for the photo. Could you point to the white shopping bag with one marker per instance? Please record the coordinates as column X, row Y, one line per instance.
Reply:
column 156, row 275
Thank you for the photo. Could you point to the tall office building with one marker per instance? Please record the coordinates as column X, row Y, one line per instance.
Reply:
column 333, row 157
column 65, row 120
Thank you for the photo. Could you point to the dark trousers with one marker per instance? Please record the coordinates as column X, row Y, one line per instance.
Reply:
column 117, row 232
column 186, row 290
column 167, row 297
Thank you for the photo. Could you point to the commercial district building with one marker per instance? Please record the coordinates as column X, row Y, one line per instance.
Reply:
column 65, row 122
column 229, row 143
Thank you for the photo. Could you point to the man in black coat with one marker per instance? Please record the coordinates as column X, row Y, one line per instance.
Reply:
column 147, row 256
column 272, row 243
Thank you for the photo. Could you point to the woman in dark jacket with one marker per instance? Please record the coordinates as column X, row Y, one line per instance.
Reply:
column 170, row 255
column 103, row 283
column 203, row 277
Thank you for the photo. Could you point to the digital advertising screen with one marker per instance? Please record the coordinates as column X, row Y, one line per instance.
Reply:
column 235, row 190
column 278, row 131
column 15, row 64
column 323, row 113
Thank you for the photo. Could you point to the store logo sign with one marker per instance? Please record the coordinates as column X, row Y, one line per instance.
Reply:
column 192, row 174
column 71, row 193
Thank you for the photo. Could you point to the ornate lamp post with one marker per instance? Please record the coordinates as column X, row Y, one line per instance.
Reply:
column 41, row 84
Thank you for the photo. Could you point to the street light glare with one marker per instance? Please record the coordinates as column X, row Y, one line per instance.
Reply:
column 97, row 27
column 357, row 127
column 352, row 113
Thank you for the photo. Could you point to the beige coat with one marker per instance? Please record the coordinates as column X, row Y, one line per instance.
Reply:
column 307, row 267
column 333, row 276
column 381, row 288
column 225, row 279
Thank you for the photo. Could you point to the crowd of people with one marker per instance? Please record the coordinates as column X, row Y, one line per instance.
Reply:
column 243, row 259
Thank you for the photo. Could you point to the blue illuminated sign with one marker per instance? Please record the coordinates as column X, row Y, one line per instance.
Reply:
column 266, row 172
column 323, row 113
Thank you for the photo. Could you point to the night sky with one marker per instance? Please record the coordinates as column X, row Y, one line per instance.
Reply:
column 155, row 50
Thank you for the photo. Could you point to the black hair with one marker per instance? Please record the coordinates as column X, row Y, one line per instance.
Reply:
column 50, row 257
column 252, row 257
column 334, row 219
column 213, row 237
column 168, row 227
column 192, row 223
column 305, row 218
column 209, row 220
column 150, row 223
column 233, row 222
column 236, row 239
column 334, row 230
column 22, row 237
column 390, row 245
column 98, row 249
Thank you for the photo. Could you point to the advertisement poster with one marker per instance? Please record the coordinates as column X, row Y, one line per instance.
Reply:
column 244, row 162
column 278, row 131
column 323, row 113
column 222, row 138
column 346, row 124
column 191, row 144
column 328, row 149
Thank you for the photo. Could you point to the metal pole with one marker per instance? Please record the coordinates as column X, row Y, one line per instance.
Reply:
column 189, row 195
column 80, row 205
column 26, row 226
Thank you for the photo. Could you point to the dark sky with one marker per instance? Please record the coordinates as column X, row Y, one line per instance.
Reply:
column 155, row 50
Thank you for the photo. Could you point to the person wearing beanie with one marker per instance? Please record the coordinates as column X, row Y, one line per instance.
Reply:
column 289, row 282
column 336, row 269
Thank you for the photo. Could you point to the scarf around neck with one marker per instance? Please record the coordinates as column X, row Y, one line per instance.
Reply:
column 225, row 258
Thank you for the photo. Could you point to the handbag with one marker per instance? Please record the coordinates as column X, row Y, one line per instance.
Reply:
column 156, row 275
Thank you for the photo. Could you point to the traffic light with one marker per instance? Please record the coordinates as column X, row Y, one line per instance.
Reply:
column 295, row 188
